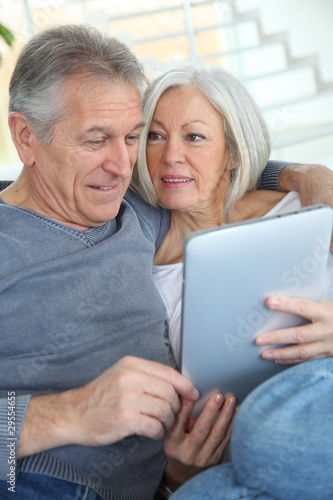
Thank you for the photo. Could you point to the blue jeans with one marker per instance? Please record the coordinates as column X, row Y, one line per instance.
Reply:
column 282, row 442
column 41, row 487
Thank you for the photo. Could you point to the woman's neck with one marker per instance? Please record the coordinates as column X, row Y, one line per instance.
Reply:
column 252, row 205
column 182, row 224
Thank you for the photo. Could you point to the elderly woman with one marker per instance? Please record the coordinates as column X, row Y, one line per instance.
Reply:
column 201, row 156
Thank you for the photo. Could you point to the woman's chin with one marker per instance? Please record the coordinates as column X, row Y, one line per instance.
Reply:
column 175, row 202
column 182, row 207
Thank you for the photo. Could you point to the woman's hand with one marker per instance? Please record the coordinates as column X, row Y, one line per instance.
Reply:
column 310, row 341
column 194, row 445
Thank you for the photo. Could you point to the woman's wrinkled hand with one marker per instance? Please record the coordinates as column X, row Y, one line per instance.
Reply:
column 194, row 445
column 313, row 340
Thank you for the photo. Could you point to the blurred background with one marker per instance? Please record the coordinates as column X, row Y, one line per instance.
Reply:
column 282, row 50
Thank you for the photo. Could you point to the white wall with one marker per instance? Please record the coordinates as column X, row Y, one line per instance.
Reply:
column 310, row 32
column 308, row 22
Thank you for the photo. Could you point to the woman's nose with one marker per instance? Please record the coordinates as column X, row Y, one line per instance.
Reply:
column 174, row 153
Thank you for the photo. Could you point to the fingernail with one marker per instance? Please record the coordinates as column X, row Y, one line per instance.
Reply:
column 268, row 355
column 261, row 340
column 195, row 393
column 273, row 301
column 232, row 401
column 218, row 398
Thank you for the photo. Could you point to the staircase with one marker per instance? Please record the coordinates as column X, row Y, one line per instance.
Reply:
column 297, row 104
column 296, row 101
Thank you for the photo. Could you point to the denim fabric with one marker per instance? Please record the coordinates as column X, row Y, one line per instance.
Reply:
column 218, row 483
column 282, row 442
column 40, row 487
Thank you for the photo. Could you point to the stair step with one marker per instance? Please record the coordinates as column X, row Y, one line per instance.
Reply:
column 310, row 151
column 270, row 59
column 280, row 37
column 218, row 13
column 237, row 36
column 288, row 103
column 316, row 110
column 285, row 87
column 272, row 68
column 301, row 135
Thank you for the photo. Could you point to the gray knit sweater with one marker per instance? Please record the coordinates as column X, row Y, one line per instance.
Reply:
column 73, row 303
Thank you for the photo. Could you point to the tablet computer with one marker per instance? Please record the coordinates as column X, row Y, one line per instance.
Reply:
column 228, row 274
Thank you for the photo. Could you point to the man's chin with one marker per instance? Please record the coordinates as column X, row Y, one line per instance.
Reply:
column 101, row 219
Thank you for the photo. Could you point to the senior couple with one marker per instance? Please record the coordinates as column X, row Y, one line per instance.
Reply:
column 83, row 346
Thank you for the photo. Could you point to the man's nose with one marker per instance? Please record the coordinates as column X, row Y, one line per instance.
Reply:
column 120, row 159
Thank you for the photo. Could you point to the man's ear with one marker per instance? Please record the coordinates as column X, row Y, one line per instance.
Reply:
column 23, row 136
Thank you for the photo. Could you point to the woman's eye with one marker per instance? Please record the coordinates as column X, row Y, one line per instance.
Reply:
column 154, row 136
column 195, row 137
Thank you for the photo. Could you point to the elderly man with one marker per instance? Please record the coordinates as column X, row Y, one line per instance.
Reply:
column 87, row 395
column 77, row 294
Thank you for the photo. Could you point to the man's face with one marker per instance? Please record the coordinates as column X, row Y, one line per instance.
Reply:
column 81, row 178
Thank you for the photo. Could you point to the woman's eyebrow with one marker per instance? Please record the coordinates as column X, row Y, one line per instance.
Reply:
column 161, row 124
column 157, row 122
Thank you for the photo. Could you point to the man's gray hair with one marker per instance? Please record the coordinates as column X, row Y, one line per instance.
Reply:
column 56, row 54
column 246, row 133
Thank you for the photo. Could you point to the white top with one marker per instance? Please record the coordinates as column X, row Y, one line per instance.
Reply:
column 168, row 280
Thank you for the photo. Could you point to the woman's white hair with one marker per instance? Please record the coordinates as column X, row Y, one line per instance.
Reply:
column 246, row 133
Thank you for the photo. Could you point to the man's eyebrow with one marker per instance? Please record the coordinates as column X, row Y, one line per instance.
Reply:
column 108, row 130
column 140, row 125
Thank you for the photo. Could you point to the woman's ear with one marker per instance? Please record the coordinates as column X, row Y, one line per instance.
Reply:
column 231, row 165
column 22, row 135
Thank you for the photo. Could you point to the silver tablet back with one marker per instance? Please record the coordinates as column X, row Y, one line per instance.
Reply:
column 228, row 274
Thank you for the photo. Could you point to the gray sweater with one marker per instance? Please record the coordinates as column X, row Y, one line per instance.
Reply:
column 72, row 304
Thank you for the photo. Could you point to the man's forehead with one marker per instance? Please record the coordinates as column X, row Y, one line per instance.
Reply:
column 98, row 103
column 82, row 91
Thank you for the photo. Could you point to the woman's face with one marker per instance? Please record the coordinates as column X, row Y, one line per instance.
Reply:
column 187, row 155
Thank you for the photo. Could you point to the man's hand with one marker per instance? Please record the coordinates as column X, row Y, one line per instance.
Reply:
column 313, row 182
column 306, row 342
column 134, row 396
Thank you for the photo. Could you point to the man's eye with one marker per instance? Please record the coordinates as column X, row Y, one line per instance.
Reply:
column 96, row 142
column 154, row 136
column 132, row 139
